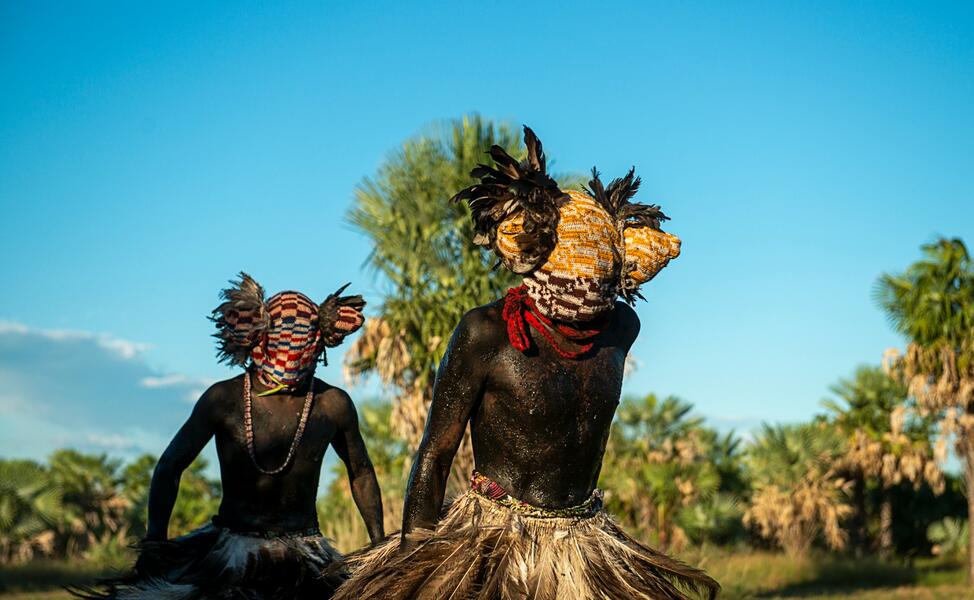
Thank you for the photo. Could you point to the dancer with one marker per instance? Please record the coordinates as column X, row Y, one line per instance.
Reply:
column 537, row 375
column 272, row 426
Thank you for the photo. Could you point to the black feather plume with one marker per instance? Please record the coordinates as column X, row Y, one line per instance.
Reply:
column 511, row 187
column 616, row 200
column 241, row 320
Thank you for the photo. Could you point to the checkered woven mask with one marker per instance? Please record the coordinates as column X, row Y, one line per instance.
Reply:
column 283, row 337
column 578, row 281
column 292, row 342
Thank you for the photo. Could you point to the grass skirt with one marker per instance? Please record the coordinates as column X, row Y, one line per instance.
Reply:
column 482, row 550
column 213, row 563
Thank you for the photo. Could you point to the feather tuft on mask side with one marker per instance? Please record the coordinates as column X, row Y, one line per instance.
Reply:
column 241, row 320
column 340, row 316
column 616, row 199
column 516, row 189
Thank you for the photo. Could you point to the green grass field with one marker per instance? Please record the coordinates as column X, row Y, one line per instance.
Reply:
column 743, row 575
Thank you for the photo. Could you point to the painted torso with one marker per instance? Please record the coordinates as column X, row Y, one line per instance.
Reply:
column 542, row 421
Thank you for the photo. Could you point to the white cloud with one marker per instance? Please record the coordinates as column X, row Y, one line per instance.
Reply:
column 91, row 391
column 174, row 379
column 123, row 348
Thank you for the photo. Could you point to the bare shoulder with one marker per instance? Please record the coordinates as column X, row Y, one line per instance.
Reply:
column 219, row 396
column 626, row 322
column 335, row 403
column 483, row 324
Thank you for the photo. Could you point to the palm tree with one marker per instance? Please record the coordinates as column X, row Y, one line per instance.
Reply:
column 885, row 442
column 797, row 493
column 949, row 536
column 432, row 272
column 657, row 465
column 932, row 304
column 30, row 507
column 94, row 510
column 198, row 501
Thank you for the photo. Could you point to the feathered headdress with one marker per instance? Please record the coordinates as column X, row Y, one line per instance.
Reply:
column 341, row 316
column 284, row 335
column 241, row 320
column 615, row 199
column 516, row 188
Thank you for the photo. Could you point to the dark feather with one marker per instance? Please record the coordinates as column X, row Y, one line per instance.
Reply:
column 213, row 564
column 616, row 199
column 328, row 311
column 241, row 320
column 510, row 188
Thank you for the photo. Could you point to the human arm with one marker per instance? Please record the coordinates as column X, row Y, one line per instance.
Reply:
column 182, row 450
column 456, row 391
column 350, row 447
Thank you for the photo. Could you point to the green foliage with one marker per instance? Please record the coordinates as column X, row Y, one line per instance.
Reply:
column 660, row 475
column 888, row 442
column 796, row 496
column 422, row 242
column 950, row 536
column 88, row 505
column 715, row 519
column 198, row 500
column 867, row 400
column 785, row 455
column 30, row 505
column 932, row 302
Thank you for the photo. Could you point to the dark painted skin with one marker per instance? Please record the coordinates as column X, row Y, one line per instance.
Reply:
column 253, row 501
column 539, row 422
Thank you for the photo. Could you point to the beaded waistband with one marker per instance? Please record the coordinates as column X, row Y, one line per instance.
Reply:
column 487, row 488
column 268, row 535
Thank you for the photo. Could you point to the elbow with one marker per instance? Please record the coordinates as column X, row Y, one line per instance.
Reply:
column 166, row 472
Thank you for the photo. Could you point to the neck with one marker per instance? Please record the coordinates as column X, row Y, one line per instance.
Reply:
column 262, row 388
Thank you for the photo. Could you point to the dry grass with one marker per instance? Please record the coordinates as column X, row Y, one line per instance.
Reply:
column 752, row 574
column 743, row 575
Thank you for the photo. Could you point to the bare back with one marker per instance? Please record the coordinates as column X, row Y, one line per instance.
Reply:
column 254, row 501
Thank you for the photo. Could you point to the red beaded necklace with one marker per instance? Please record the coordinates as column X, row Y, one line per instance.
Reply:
column 249, row 426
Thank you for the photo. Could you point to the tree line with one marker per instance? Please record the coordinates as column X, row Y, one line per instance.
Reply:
column 864, row 476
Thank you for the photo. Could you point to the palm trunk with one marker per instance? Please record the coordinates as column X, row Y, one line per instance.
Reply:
column 664, row 538
column 886, row 525
column 859, row 524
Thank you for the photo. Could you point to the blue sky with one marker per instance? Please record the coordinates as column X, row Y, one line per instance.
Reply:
column 148, row 153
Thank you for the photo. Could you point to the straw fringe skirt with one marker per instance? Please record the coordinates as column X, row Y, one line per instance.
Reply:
column 481, row 550
column 213, row 563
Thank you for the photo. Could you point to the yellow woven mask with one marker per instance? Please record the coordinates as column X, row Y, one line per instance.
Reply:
column 577, row 250
column 648, row 250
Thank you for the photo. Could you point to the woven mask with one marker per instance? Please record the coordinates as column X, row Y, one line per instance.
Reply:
column 577, row 250
column 284, row 337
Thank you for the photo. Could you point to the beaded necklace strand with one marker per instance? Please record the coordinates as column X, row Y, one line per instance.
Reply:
column 249, row 426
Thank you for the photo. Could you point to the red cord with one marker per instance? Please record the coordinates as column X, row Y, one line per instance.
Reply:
column 520, row 311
